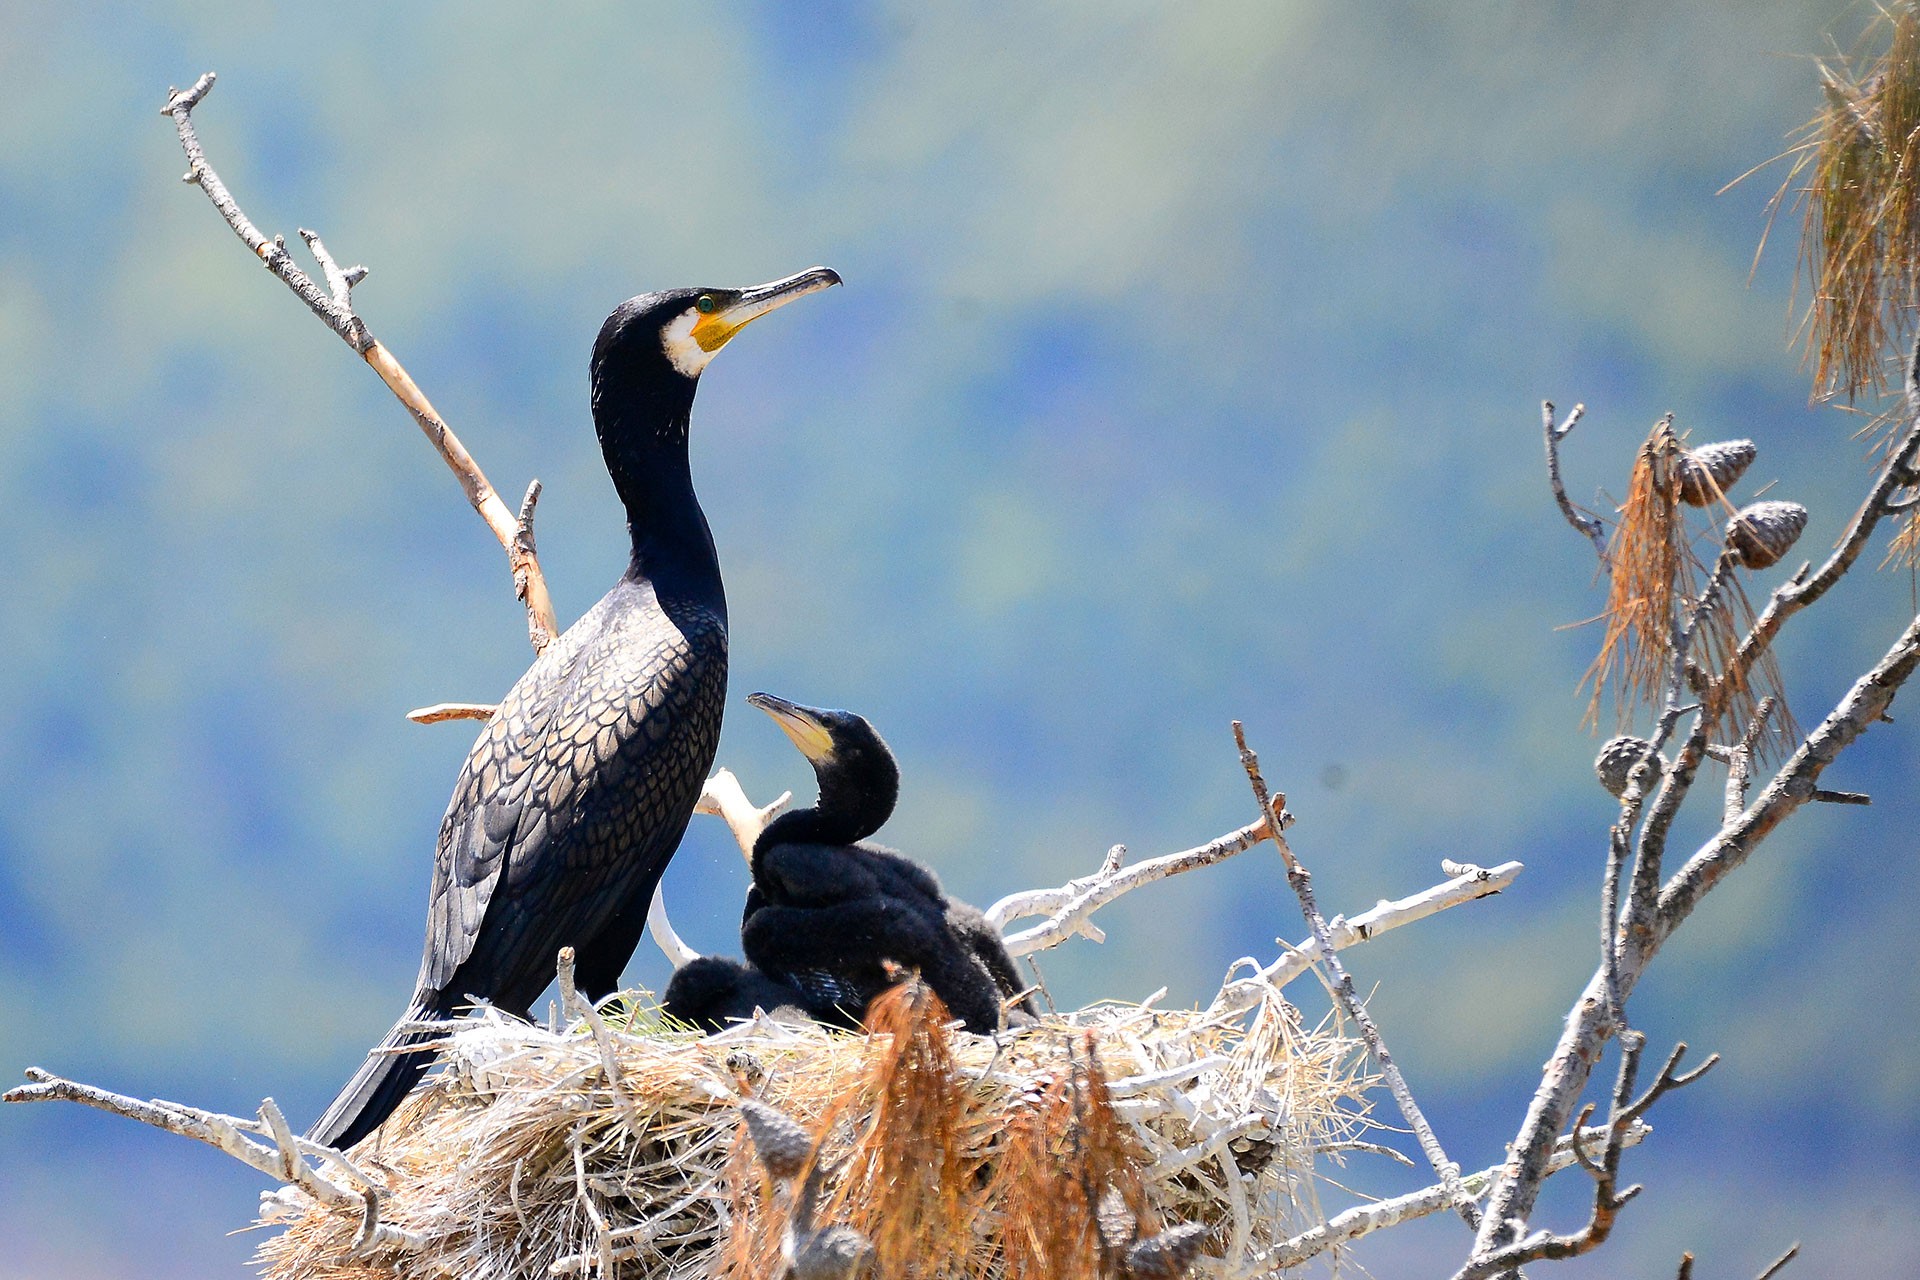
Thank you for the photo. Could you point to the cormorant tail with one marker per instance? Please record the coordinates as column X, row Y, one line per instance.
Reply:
column 383, row 1080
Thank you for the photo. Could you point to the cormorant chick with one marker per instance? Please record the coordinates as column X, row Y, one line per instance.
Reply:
column 581, row 784
column 712, row 991
column 827, row 913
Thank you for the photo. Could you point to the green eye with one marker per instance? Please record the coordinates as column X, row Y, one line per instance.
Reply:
column 706, row 304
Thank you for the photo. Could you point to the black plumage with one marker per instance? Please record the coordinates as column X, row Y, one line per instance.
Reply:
column 712, row 991
column 837, row 918
column 579, row 788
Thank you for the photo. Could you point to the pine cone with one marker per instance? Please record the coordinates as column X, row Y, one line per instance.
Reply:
column 783, row 1146
column 1761, row 532
column 1708, row 472
column 1167, row 1256
column 1617, row 759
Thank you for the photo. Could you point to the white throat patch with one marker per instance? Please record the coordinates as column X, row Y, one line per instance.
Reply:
column 686, row 354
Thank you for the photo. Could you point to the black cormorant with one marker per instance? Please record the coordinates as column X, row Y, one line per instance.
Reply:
column 712, row 991
column 580, row 786
column 827, row 913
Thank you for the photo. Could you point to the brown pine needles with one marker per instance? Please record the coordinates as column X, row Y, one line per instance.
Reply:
column 1859, row 160
column 1662, row 594
column 907, row 1180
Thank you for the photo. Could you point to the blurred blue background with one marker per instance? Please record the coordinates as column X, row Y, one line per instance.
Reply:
column 1188, row 368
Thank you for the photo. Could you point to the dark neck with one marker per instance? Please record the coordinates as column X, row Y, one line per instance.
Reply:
column 644, row 441
column 847, row 812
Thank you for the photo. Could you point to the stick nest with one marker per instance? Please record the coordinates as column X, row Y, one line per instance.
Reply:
column 538, row 1153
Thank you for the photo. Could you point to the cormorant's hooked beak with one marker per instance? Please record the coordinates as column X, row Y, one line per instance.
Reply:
column 797, row 722
column 733, row 309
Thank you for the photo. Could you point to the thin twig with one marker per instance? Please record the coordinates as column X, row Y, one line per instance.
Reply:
column 335, row 309
column 1740, row 762
column 575, row 1005
column 1624, row 1114
column 283, row 1163
column 1069, row 908
column 1583, row 521
column 1365, row 1219
column 1468, row 884
column 1272, row 809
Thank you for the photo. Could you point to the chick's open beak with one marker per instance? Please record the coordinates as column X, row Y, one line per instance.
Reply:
column 713, row 329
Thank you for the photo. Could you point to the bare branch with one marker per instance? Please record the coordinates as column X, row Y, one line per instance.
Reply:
column 1588, row 1025
column 1800, row 590
column 1469, row 884
column 1365, row 1219
column 576, row 1005
column 1775, row 1267
column 1582, row 521
column 283, row 1159
column 1623, row 1116
column 1794, row 785
column 1740, row 761
column 1070, row 907
column 723, row 798
column 1272, row 809
column 335, row 309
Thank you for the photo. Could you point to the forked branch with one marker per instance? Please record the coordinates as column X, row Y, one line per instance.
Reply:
column 266, row 1144
column 1273, row 810
column 1069, row 908
column 1584, row 522
column 334, row 306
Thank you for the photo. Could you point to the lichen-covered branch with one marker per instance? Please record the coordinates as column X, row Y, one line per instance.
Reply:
column 334, row 306
column 1588, row 1024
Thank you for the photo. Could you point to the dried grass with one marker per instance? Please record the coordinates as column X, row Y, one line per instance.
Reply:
column 957, row 1156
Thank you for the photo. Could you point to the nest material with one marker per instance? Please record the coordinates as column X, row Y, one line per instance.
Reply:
column 522, row 1159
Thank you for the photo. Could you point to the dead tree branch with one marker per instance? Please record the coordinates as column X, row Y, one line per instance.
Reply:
column 1468, row 884
column 1625, row 1113
column 723, row 798
column 334, row 306
column 1069, row 908
column 1273, row 810
column 283, row 1156
column 1799, row 591
column 1651, row 917
column 1351, row 1224
column 1584, row 522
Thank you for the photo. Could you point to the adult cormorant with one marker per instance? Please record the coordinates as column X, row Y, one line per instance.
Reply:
column 580, row 786
column 826, row 913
